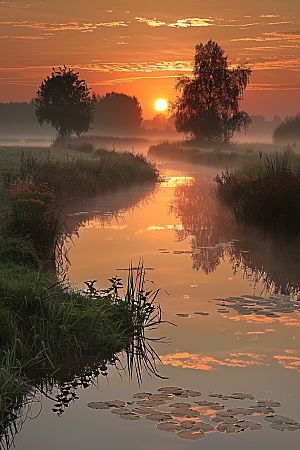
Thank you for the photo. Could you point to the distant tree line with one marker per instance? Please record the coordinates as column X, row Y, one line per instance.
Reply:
column 288, row 131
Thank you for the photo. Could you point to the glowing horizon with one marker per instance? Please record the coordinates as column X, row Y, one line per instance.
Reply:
column 141, row 51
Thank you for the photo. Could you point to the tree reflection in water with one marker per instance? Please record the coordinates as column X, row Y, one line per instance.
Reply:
column 274, row 262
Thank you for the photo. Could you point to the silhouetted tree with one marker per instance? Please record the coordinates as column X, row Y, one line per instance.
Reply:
column 118, row 114
column 65, row 103
column 288, row 131
column 208, row 109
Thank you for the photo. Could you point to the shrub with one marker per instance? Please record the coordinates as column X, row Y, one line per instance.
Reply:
column 288, row 131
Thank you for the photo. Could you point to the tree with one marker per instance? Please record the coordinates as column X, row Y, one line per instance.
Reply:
column 65, row 103
column 208, row 108
column 288, row 131
column 117, row 113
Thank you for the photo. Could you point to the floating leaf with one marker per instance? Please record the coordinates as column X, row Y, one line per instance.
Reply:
column 142, row 395
column 201, row 426
column 170, row 389
column 183, row 405
column 242, row 396
column 182, row 315
column 151, row 403
column 121, row 411
column 130, row 416
column 181, row 412
column 254, row 426
column 242, row 411
column 259, row 409
column 219, row 419
column 202, row 313
column 115, row 403
column 224, row 413
column 98, row 405
column 186, row 393
column 271, row 403
column 159, row 417
column 169, row 426
column 229, row 428
column 280, row 419
column 142, row 410
column 191, row 435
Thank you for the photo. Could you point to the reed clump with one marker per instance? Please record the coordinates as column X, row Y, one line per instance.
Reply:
column 265, row 194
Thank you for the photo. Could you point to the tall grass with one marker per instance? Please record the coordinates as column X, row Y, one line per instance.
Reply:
column 79, row 177
column 266, row 194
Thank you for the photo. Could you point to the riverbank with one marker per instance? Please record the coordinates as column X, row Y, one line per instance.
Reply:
column 47, row 325
column 265, row 193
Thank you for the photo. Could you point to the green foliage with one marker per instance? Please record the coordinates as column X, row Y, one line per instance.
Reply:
column 80, row 177
column 117, row 114
column 208, row 108
column 288, row 131
column 65, row 103
column 266, row 194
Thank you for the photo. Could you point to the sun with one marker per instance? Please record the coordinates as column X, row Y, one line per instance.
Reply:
column 161, row 104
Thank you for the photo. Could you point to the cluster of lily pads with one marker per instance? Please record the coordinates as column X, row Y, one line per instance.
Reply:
column 184, row 419
column 253, row 304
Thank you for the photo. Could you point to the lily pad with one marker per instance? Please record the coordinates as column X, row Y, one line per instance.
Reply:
column 191, row 435
column 158, row 417
column 184, row 405
column 115, row 403
column 169, row 426
column 201, row 426
column 120, row 411
column 98, row 405
column 254, row 426
column 142, row 395
column 242, row 411
column 242, row 396
column 280, row 419
column 182, row 315
column 219, row 419
column 181, row 412
column 141, row 410
column 170, row 389
column 151, row 403
column 260, row 409
column 202, row 313
column 130, row 416
column 271, row 403
column 229, row 428
column 186, row 393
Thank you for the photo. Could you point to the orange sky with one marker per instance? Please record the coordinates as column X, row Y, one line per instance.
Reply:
column 139, row 47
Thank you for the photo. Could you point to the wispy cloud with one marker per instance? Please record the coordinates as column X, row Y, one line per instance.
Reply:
column 179, row 23
column 68, row 26
column 16, row 5
column 151, row 66
column 270, row 15
column 30, row 38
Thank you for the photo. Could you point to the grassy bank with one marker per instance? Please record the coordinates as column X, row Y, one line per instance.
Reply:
column 47, row 327
column 265, row 194
column 213, row 158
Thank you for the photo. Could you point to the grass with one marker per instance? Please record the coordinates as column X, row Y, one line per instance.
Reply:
column 214, row 158
column 48, row 327
column 79, row 177
column 265, row 194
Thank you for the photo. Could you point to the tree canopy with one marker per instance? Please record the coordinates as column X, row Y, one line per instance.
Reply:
column 65, row 102
column 208, row 108
column 117, row 114
column 288, row 131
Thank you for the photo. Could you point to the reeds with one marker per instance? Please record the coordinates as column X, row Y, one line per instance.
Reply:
column 266, row 194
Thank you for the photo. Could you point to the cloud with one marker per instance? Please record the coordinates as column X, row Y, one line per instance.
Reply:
column 68, row 26
column 270, row 15
column 16, row 5
column 288, row 362
column 290, row 35
column 179, row 23
column 151, row 66
column 31, row 38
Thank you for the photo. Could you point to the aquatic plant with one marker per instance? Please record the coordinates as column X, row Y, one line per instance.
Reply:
column 266, row 194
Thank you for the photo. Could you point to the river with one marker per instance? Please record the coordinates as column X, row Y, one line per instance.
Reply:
column 197, row 258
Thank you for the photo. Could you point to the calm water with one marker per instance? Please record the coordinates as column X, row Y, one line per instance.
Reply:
column 197, row 256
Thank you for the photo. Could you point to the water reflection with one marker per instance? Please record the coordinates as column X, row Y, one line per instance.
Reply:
column 214, row 236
